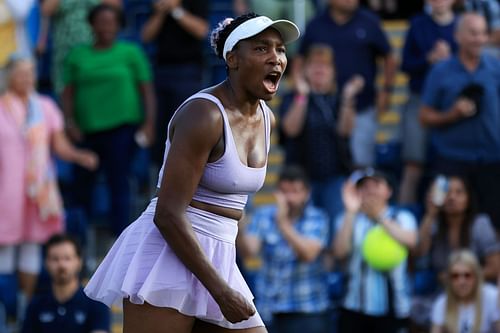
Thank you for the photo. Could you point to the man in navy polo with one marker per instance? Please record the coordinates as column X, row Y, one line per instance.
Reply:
column 357, row 39
column 461, row 105
column 65, row 309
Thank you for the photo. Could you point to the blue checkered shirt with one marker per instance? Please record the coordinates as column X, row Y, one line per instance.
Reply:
column 285, row 284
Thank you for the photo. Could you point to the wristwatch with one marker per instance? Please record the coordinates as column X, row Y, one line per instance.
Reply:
column 178, row 12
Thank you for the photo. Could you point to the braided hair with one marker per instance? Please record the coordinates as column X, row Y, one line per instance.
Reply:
column 224, row 28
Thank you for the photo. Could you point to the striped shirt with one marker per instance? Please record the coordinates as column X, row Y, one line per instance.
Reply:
column 285, row 284
column 367, row 288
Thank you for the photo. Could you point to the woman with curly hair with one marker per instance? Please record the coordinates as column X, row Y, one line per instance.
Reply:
column 174, row 267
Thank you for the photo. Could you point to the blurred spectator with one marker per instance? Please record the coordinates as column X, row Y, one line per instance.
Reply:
column 455, row 223
column 376, row 301
column 394, row 9
column 13, row 34
column 65, row 308
column 298, row 11
column 290, row 237
column 429, row 40
column 468, row 305
column 358, row 40
column 69, row 27
column 178, row 28
column 461, row 106
column 31, row 128
column 316, row 125
column 489, row 9
column 105, row 82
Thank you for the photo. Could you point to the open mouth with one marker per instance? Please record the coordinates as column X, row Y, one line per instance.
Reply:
column 271, row 81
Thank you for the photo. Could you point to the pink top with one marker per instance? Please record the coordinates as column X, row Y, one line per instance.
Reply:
column 19, row 217
column 227, row 181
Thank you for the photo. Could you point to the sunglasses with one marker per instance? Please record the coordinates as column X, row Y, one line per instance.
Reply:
column 464, row 275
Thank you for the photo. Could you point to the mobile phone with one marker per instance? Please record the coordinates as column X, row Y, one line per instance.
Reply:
column 439, row 190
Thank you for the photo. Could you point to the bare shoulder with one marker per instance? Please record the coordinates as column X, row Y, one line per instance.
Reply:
column 198, row 117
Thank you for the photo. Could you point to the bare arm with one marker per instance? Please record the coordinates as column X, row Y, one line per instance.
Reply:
column 462, row 108
column 193, row 24
column 67, row 102
column 342, row 244
column 407, row 238
column 149, row 101
column 49, row 7
column 248, row 245
column 305, row 248
column 425, row 235
column 152, row 26
column 347, row 116
column 191, row 144
column 65, row 150
column 294, row 118
column 347, row 111
column 196, row 26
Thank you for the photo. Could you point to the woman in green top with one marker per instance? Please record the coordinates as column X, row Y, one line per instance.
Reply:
column 107, row 87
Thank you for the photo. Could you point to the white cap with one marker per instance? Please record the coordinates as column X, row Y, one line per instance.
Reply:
column 288, row 30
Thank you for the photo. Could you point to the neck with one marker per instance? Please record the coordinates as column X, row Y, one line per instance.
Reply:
column 63, row 292
column 295, row 212
column 321, row 88
column 103, row 44
column 454, row 221
column 467, row 300
column 469, row 60
column 339, row 16
column 238, row 99
column 443, row 18
column 22, row 95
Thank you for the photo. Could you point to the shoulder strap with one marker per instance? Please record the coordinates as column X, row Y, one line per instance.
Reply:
column 211, row 98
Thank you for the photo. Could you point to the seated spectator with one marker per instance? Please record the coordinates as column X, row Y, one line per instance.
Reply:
column 31, row 128
column 455, row 223
column 316, row 123
column 376, row 300
column 430, row 39
column 460, row 105
column 65, row 308
column 13, row 34
column 291, row 289
column 108, row 84
column 468, row 305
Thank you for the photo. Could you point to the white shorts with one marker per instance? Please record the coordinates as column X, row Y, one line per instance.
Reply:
column 26, row 258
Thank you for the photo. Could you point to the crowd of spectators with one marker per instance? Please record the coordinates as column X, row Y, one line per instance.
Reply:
column 111, row 96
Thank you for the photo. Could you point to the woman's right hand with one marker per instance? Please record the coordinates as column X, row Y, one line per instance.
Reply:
column 234, row 306
column 74, row 133
column 431, row 209
column 351, row 198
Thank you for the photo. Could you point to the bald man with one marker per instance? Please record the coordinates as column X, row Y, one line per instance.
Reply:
column 461, row 106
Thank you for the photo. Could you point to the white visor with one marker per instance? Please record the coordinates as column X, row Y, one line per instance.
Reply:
column 288, row 30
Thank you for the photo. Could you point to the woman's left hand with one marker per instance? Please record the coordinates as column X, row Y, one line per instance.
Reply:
column 87, row 159
column 148, row 130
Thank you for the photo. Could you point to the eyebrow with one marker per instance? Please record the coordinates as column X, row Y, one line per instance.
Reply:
column 266, row 41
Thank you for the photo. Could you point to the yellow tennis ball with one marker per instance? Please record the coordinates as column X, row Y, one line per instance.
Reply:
column 381, row 251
